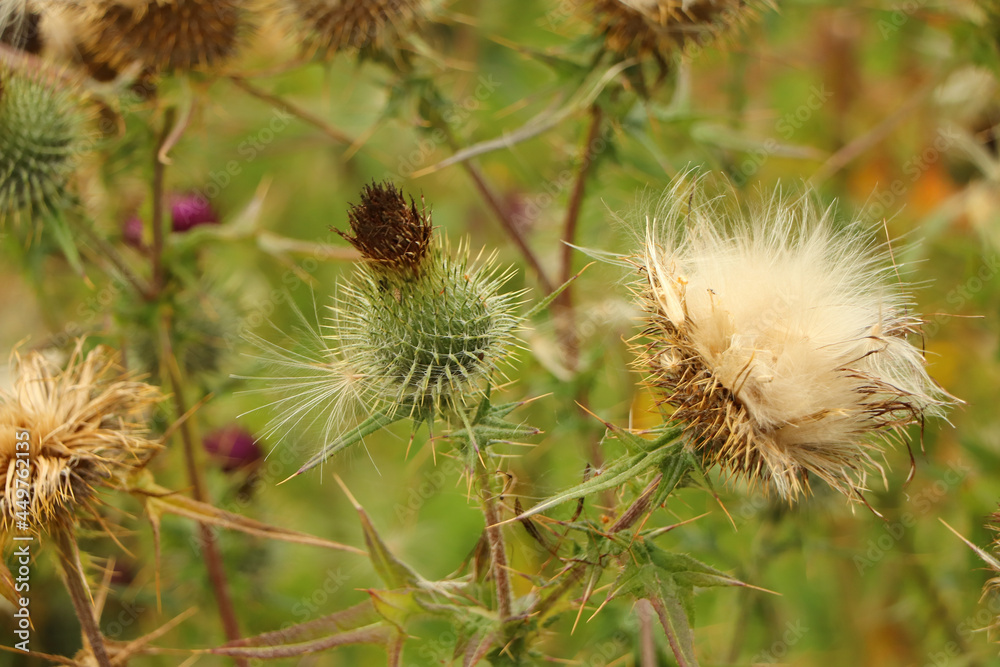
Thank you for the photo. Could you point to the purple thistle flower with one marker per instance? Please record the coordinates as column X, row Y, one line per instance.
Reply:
column 189, row 211
column 233, row 447
column 132, row 232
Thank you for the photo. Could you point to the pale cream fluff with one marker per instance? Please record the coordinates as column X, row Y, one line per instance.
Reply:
column 783, row 341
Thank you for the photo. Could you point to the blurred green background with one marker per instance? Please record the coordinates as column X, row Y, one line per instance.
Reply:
column 888, row 108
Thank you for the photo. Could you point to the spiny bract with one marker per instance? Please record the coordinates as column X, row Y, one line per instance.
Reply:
column 780, row 343
column 41, row 139
column 431, row 341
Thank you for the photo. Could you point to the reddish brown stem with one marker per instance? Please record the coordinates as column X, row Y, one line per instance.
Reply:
column 565, row 300
column 298, row 112
column 498, row 550
column 493, row 201
column 79, row 593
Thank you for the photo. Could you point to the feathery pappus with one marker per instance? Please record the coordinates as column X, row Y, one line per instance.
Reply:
column 782, row 343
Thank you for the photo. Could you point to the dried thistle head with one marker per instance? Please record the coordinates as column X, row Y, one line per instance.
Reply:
column 162, row 35
column 654, row 29
column 387, row 231
column 42, row 137
column 332, row 26
column 781, row 343
column 85, row 427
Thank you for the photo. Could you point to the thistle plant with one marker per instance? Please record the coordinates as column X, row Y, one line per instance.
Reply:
column 416, row 332
column 766, row 355
column 87, row 429
column 654, row 30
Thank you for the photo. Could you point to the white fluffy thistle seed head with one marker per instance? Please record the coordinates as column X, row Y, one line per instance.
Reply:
column 782, row 342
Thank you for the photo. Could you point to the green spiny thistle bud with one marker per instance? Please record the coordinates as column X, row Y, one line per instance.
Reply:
column 431, row 341
column 416, row 329
column 41, row 139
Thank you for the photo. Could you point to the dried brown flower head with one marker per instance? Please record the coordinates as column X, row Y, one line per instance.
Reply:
column 85, row 428
column 655, row 28
column 330, row 26
column 162, row 35
column 780, row 343
column 388, row 231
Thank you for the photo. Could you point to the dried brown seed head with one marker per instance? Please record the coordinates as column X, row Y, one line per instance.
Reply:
column 162, row 35
column 387, row 231
column 85, row 429
column 646, row 29
column 330, row 26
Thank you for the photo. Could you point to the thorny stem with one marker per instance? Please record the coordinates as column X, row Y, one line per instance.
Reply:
column 647, row 644
column 565, row 300
column 672, row 638
column 79, row 592
column 492, row 200
column 298, row 112
column 159, row 171
column 498, row 551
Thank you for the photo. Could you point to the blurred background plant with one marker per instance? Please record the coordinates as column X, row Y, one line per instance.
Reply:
column 171, row 173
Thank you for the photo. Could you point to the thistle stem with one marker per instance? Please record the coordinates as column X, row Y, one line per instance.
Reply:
column 565, row 300
column 300, row 113
column 498, row 552
column 672, row 639
column 493, row 201
column 79, row 593
column 647, row 644
column 159, row 172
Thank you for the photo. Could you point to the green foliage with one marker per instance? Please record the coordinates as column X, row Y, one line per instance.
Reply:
column 528, row 138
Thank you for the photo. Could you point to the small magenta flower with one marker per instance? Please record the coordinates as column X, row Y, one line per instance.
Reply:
column 233, row 447
column 188, row 211
column 132, row 232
